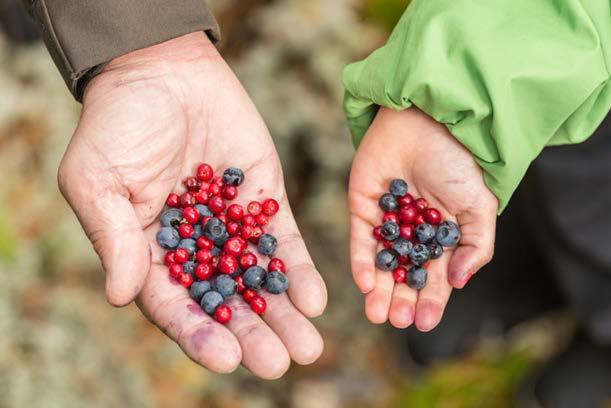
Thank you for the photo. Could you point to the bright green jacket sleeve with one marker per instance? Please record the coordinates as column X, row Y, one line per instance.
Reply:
column 506, row 77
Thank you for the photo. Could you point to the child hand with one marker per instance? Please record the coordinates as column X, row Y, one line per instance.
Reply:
column 412, row 146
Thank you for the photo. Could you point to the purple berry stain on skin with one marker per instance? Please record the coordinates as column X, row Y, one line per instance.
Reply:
column 199, row 338
column 195, row 309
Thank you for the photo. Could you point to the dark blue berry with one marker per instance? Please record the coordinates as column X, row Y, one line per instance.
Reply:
column 203, row 210
column 388, row 202
column 425, row 233
column 233, row 176
column 390, row 230
column 189, row 267
column 416, row 277
column 402, row 246
column 436, row 250
column 238, row 272
column 448, row 234
column 254, row 277
column 210, row 301
column 221, row 241
column 386, row 260
column 168, row 238
column 171, row 217
column 215, row 251
column 276, row 282
column 198, row 289
column 420, row 254
column 198, row 231
column 188, row 244
column 398, row 187
column 215, row 229
column 267, row 244
column 224, row 285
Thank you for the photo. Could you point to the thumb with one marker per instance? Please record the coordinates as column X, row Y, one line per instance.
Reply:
column 111, row 224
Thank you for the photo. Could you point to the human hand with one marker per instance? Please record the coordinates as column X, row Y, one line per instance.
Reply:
column 412, row 146
column 148, row 119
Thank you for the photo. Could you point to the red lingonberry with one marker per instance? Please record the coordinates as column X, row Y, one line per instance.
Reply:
column 175, row 270
column 222, row 314
column 227, row 264
column 214, row 190
column 190, row 214
column 406, row 200
column 203, row 186
column 216, row 204
column 205, row 220
column 399, row 274
column 432, row 216
column 235, row 246
column 248, row 295
column 172, row 200
column 233, row 228
column 186, row 200
column 181, row 255
column 407, row 214
column 248, row 219
column 185, row 230
column 254, row 208
column 204, row 271
column 229, row 192
column 258, row 305
column 387, row 244
column 169, row 258
column 403, row 260
column 270, row 207
column 390, row 216
column 203, row 256
column 247, row 231
column 406, row 231
column 256, row 233
column 218, row 181
column 186, row 280
column 204, row 172
column 235, row 212
column 247, row 260
column 201, row 197
column 223, row 218
column 276, row 264
column 421, row 204
column 215, row 262
column 261, row 219
column 204, row 243
column 192, row 184
column 239, row 284
column 377, row 234
column 419, row 219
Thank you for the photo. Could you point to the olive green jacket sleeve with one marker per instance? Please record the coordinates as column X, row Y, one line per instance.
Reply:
column 82, row 35
column 507, row 78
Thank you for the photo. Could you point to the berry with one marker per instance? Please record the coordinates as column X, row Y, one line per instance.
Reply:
column 406, row 200
column 224, row 285
column 227, row 264
column 211, row 300
column 416, row 278
column 186, row 280
column 223, row 218
column 222, row 314
column 203, row 210
column 247, row 231
column 267, row 244
column 172, row 200
column 419, row 219
column 403, row 260
column 248, row 219
column 386, row 260
column 233, row 176
column 186, row 200
column 239, row 282
column 169, row 258
column 261, row 219
column 204, row 172
column 420, row 254
column 204, row 243
column 204, row 271
column 248, row 295
column 377, row 234
column 398, row 187
column 448, row 234
column 198, row 231
column 276, row 282
column 388, row 202
column 247, row 260
column 421, row 204
column 215, row 251
column 408, row 214
column 235, row 246
column 402, row 247
column 435, row 249
column 185, row 230
column 175, row 270
column 218, row 181
column 216, row 204
column 188, row 244
column 181, row 255
column 254, row 208
column 203, row 256
column 229, row 192
column 270, row 207
column 189, row 267
column 387, row 244
column 213, row 190
column 406, row 231
column 432, row 216
column 390, row 216
column 201, row 197
column 192, row 184
column 390, row 230
column 215, row 229
column 171, row 217
column 276, row 264
column 399, row 274
column 425, row 233
column 258, row 305
column 198, row 289
column 168, row 238
column 235, row 212
column 233, row 228
column 257, row 232
column 191, row 215
column 254, row 277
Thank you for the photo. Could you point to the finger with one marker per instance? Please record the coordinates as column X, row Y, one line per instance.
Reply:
column 263, row 352
column 299, row 336
column 167, row 305
column 362, row 254
column 433, row 298
column 402, row 306
column 377, row 302
column 476, row 246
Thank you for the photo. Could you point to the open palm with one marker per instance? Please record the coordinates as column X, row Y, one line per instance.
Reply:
column 412, row 146
column 147, row 121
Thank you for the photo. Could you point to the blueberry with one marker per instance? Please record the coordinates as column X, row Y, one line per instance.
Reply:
column 203, row 210
column 388, row 202
column 416, row 277
column 420, row 254
column 168, row 238
column 215, row 229
column 436, row 250
column 198, row 231
column 219, row 242
column 448, row 234
column 171, row 217
column 254, row 277
column 189, row 267
column 267, row 244
column 189, row 245
column 238, row 272
column 425, row 233
column 210, row 301
column 386, row 260
column 398, row 187
column 198, row 289
column 276, row 282
column 233, row 176
column 390, row 230
column 402, row 246
column 224, row 285
column 215, row 251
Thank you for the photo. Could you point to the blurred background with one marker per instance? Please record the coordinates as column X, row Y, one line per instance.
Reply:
column 62, row 345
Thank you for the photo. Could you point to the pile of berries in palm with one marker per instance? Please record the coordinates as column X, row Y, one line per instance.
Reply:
column 208, row 240
column 412, row 234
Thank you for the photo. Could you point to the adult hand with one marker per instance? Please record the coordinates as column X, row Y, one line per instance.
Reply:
column 148, row 119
